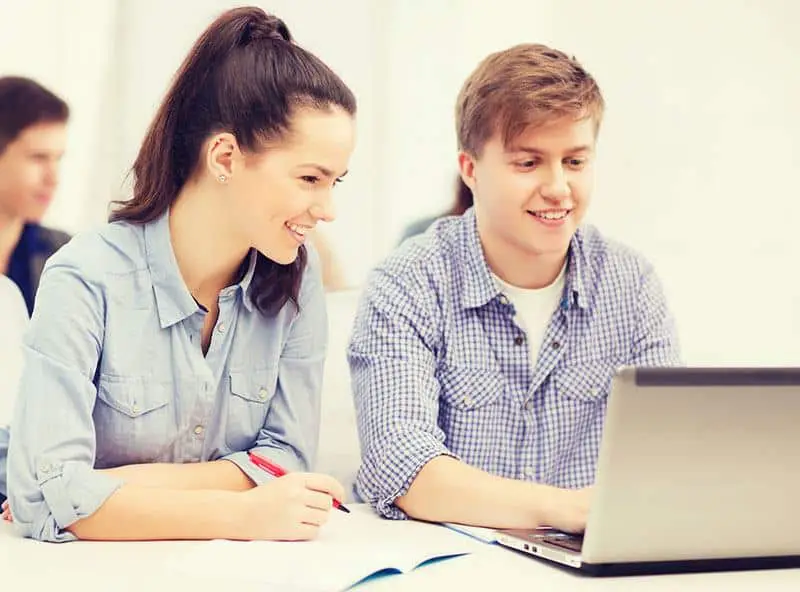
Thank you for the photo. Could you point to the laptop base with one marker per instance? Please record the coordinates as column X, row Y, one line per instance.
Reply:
column 688, row 566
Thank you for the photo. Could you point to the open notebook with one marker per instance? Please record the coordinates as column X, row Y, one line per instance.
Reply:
column 351, row 548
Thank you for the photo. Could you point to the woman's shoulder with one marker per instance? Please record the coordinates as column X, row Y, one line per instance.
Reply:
column 115, row 248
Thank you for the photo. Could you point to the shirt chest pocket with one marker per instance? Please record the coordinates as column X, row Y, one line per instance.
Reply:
column 134, row 420
column 470, row 411
column 470, row 389
column 587, row 383
column 251, row 393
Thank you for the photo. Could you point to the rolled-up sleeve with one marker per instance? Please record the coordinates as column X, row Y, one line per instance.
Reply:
column 290, row 434
column 393, row 372
column 656, row 342
column 51, row 478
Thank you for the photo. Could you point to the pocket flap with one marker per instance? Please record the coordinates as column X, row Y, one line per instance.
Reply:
column 256, row 386
column 588, row 382
column 131, row 396
column 470, row 388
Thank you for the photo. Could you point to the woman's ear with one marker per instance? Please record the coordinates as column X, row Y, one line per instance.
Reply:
column 221, row 151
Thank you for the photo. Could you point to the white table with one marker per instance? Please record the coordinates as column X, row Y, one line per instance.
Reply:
column 30, row 565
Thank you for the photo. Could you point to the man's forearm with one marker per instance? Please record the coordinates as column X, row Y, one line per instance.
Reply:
column 447, row 490
column 218, row 474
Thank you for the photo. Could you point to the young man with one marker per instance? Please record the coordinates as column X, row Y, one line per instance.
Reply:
column 33, row 134
column 483, row 351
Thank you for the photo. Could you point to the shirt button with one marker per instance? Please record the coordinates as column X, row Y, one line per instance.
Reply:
column 221, row 328
column 135, row 408
column 530, row 472
column 198, row 430
column 529, row 405
column 555, row 344
column 46, row 468
column 503, row 299
column 519, row 340
column 468, row 400
column 262, row 394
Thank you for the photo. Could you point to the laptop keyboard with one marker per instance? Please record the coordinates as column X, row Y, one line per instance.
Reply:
column 561, row 539
column 571, row 542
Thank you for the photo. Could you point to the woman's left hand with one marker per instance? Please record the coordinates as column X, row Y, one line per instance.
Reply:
column 7, row 512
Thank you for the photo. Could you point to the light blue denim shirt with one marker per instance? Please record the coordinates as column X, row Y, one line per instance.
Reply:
column 115, row 375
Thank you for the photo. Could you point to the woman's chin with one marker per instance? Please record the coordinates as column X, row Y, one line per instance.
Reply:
column 282, row 256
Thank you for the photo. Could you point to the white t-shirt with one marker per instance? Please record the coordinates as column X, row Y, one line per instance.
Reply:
column 534, row 309
column 13, row 321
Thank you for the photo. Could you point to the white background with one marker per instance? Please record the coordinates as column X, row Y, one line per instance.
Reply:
column 699, row 151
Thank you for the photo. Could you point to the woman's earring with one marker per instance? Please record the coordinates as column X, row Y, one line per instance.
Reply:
column 222, row 178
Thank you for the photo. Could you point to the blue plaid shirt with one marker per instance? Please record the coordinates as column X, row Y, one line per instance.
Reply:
column 439, row 366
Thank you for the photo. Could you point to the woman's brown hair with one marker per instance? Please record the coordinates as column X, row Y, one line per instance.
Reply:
column 245, row 75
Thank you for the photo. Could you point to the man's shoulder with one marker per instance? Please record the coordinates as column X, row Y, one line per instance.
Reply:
column 426, row 260
column 11, row 297
column 53, row 238
column 610, row 256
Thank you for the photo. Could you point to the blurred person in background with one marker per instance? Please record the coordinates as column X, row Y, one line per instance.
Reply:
column 461, row 203
column 33, row 134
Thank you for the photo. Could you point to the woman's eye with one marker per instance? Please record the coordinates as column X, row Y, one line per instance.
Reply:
column 310, row 179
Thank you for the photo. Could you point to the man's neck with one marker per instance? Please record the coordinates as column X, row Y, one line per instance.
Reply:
column 10, row 232
column 520, row 268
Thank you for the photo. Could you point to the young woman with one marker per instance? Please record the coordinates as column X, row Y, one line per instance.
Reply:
column 191, row 329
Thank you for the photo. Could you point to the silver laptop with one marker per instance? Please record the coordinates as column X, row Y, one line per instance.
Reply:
column 698, row 471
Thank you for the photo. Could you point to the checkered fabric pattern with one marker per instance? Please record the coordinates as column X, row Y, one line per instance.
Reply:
column 439, row 366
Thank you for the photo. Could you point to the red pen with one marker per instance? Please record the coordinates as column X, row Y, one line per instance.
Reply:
column 278, row 471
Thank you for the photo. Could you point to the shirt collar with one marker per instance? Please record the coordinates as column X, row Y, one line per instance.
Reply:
column 173, row 300
column 247, row 279
column 479, row 287
column 578, row 273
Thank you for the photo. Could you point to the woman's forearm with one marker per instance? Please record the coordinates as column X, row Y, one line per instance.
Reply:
column 218, row 474
column 142, row 513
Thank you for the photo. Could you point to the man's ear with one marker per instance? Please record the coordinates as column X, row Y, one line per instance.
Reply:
column 466, row 166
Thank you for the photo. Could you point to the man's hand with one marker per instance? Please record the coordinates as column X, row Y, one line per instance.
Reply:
column 567, row 509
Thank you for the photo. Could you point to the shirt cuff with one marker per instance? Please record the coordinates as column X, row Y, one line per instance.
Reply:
column 257, row 475
column 71, row 491
column 4, row 440
column 385, row 477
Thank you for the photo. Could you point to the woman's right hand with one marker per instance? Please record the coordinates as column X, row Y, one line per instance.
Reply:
column 288, row 508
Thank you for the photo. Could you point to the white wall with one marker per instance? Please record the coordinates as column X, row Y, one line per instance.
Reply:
column 698, row 152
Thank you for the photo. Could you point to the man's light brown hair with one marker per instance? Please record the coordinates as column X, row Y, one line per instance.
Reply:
column 521, row 87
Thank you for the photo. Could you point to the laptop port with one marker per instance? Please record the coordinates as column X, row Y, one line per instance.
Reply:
column 527, row 547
